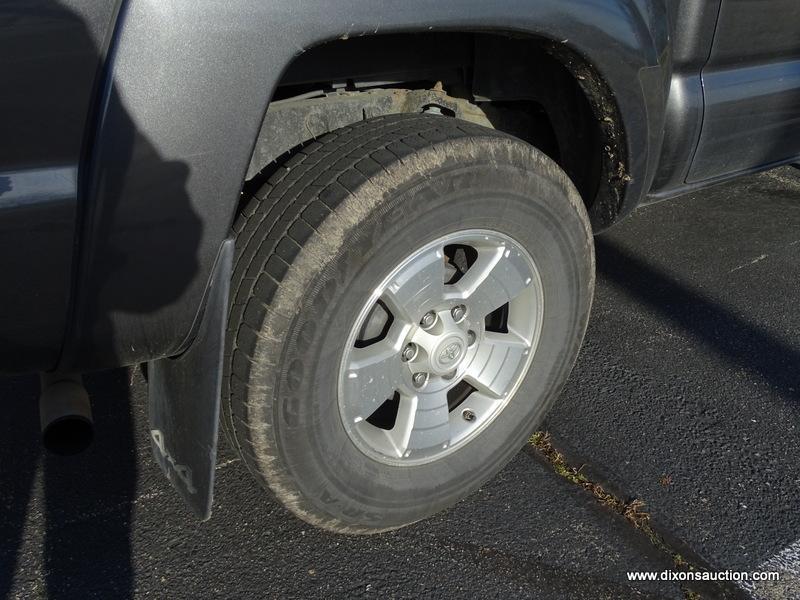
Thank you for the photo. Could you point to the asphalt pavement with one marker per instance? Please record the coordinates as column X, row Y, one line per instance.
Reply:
column 686, row 397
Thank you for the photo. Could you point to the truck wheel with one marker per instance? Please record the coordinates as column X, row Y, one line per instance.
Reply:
column 409, row 296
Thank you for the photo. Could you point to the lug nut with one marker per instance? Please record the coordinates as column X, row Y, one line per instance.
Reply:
column 409, row 352
column 458, row 312
column 471, row 337
column 419, row 379
column 468, row 415
column 428, row 320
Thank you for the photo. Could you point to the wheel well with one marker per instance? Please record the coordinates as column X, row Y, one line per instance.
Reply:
column 536, row 89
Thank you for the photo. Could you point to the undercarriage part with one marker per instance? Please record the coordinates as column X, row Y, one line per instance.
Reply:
column 540, row 90
column 65, row 413
column 290, row 122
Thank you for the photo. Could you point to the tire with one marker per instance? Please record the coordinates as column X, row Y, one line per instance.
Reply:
column 312, row 244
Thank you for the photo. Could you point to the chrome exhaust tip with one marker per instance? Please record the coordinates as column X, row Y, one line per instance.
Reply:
column 65, row 413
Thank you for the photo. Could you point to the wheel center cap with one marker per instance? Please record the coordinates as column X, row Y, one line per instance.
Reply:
column 448, row 355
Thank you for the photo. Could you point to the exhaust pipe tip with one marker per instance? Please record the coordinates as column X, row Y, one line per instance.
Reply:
column 68, row 435
column 66, row 414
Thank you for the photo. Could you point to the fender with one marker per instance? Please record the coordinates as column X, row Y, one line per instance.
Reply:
column 186, row 91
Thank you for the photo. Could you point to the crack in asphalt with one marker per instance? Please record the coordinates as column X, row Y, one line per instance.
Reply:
column 632, row 510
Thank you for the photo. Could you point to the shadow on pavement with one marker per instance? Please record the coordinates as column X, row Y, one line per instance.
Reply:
column 740, row 343
column 18, row 463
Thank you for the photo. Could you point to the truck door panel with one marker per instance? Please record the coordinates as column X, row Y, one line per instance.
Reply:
column 751, row 88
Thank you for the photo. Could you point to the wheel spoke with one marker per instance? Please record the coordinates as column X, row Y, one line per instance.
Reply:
column 431, row 423
column 497, row 276
column 496, row 363
column 418, row 287
column 374, row 373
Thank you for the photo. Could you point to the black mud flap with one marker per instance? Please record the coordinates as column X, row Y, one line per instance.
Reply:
column 185, row 397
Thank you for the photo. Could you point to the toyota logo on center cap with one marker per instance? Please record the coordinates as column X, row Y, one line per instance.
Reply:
column 450, row 353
